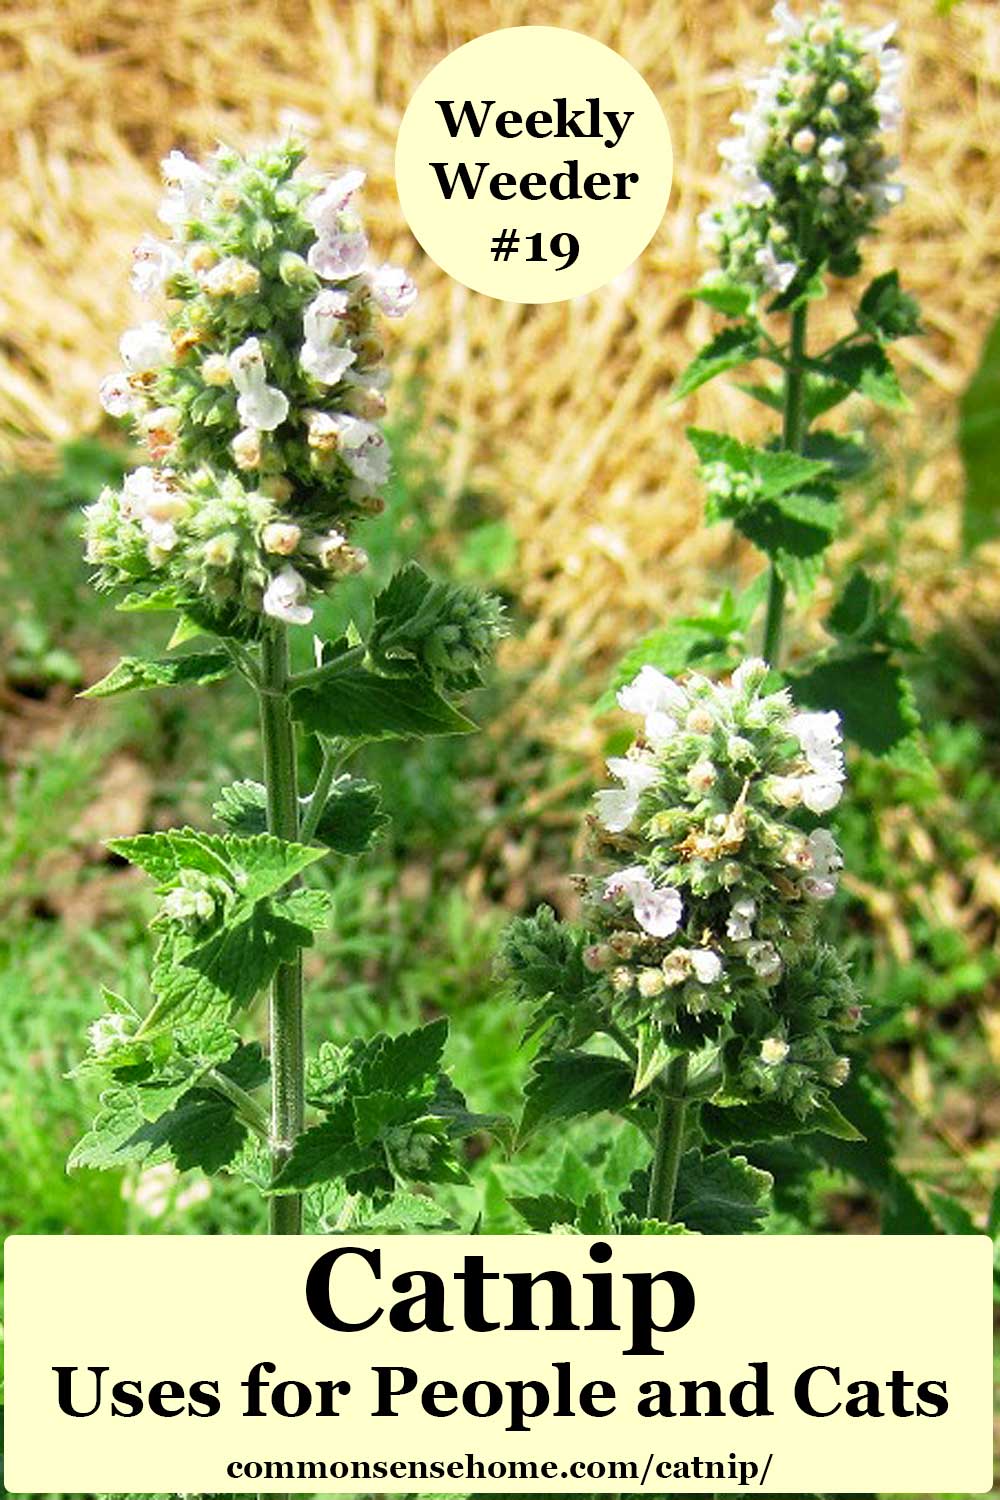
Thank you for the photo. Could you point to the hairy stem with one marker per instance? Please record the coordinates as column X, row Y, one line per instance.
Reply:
column 793, row 434
column 286, row 1022
column 669, row 1141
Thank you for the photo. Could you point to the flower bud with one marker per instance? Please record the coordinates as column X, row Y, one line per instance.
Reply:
column 246, row 448
column 281, row 538
column 773, row 1050
column 220, row 550
column 214, row 370
column 294, row 271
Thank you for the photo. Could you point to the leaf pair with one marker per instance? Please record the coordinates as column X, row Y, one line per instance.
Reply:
column 198, row 975
column 391, row 1116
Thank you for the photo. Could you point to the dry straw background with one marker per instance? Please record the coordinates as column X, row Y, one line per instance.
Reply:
column 558, row 412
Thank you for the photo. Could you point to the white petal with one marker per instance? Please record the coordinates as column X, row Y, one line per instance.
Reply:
column 659, row 913
column 338, row 257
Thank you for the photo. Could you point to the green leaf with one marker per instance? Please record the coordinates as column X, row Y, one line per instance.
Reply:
column 224, row 974
column 869, row 691
column 653, row 1056
column 846, row 455
column 136, row 674
column 731, row 347
column 866, row 368
column 809, row 285
column 572, row 1084
column 542, row 959
column 720, row 1194
column 351, row 819
column 728, row 297
column 164, row 855
column 305, row 908
column 258, row 865
column 953, row 1216
column 242, row 807
column 345, row 700
column 352, row 816
column 864, row 614
column 979, row 443
column 544, row 1213
column 402, row 1213
column 776, row 470
column 201, row 1130
column 324, row 1153
column 794, row 531
column 268, row 863
column 886, row 312
column 712, row 640
column 750, row 1124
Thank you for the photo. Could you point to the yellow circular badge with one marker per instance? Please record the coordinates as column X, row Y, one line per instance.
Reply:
column 533, row 164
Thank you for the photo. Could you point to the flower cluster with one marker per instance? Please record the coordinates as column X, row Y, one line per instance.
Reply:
column 811, row 173
column 258, row 396
column 720, row 871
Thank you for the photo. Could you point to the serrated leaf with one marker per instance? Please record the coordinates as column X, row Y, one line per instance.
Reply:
column 373, row 1113
column 570, row 1084
column 268, row 863
column 200, row 1130
column 869, row 691
column 543, row 1213
column 731, row 347
column 720, row 1194
column 864, row 614
column 258, row 865
column 886, row 311
column 351, row 819
column 352, row 816
column 776, row 470
column 846, row 455
column 795, row 542
column 344, row 700
column 325, row 1153
column 402, row 1063
column 866, row 367
column 224, row 974
column 185, row 630
column 807, row 286
column 305, row 908
column 242, row 807
column 632, row 1224
column 751, row 1124
column 137, row 674
column 164, row 855
column 403, row 1213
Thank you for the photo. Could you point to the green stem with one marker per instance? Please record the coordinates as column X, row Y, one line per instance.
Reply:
column 320, row 792
column 286, row 1022
column 669, row 1141
column 793, row 434
column 246, row 1106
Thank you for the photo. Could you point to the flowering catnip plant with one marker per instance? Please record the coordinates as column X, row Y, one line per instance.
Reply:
column 703, row 952
column 258, row 393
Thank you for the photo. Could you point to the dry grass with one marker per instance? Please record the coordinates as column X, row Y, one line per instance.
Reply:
column 560, row 411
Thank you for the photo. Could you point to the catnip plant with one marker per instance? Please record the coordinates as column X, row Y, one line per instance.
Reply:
column 702, row 959
column 259, row 396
